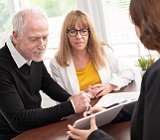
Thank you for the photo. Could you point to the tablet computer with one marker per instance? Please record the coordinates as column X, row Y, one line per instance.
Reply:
column 102, row 118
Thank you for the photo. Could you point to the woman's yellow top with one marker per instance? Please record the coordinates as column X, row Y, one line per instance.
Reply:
column 87, row 76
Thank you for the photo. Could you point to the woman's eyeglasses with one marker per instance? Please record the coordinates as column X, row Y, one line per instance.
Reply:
column 74, row 32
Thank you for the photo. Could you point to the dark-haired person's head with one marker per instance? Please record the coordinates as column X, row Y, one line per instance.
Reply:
column 145, row 15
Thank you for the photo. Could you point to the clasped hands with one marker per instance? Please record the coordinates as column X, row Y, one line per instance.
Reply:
column 99, row 90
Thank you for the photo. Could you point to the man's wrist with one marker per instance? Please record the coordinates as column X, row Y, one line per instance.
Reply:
column 73, row 105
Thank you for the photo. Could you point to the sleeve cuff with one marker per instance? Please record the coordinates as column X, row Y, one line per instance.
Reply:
column 73, row 105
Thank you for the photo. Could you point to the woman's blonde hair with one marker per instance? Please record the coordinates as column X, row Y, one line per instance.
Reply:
column 94, row 46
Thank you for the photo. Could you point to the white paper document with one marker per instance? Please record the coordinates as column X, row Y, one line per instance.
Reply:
column 118, row 97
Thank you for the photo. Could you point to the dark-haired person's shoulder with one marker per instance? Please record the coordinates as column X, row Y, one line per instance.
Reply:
column 153, row 71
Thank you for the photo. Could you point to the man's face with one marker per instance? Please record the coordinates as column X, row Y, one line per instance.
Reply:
column 32, row 44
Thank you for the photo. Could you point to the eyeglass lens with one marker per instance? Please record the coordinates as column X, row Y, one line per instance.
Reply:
column 82, row 32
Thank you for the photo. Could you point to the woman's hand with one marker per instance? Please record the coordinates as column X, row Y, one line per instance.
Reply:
column 79, row 134
column 102, row 89
column 99, row 90
column 91, row 91
column 93, row 110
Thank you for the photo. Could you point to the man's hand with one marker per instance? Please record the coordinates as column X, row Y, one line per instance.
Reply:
column 81, row 101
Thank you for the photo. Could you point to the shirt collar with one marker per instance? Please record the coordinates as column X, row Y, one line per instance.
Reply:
column 18, row 58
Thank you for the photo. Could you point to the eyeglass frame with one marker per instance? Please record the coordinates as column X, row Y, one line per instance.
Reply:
column 68, row 31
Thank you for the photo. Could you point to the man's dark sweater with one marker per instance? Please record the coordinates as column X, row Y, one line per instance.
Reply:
column 20, row 100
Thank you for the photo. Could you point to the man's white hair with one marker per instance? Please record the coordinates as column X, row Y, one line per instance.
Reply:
column 19, row 20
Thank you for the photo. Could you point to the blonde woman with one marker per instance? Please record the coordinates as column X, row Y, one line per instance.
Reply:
column 83, row 62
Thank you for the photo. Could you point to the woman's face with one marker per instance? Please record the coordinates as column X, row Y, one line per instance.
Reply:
column 79, row 41
column 137, row 31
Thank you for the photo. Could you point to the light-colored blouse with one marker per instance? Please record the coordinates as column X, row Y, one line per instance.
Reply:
column 111, row 73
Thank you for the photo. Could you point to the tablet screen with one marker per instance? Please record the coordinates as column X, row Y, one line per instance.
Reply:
column 102, row 118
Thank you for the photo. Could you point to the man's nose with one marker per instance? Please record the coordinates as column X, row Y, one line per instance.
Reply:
column 42, row 44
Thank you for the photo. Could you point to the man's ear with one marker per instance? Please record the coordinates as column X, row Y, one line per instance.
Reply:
column 15, row 37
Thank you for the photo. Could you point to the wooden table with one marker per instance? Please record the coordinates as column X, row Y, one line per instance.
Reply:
column 57, row 131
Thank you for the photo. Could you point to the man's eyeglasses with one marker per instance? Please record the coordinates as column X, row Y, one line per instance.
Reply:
column 73, row 32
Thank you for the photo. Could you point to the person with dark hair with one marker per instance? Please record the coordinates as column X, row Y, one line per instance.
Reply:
column 23, row 74
column 146, row 116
